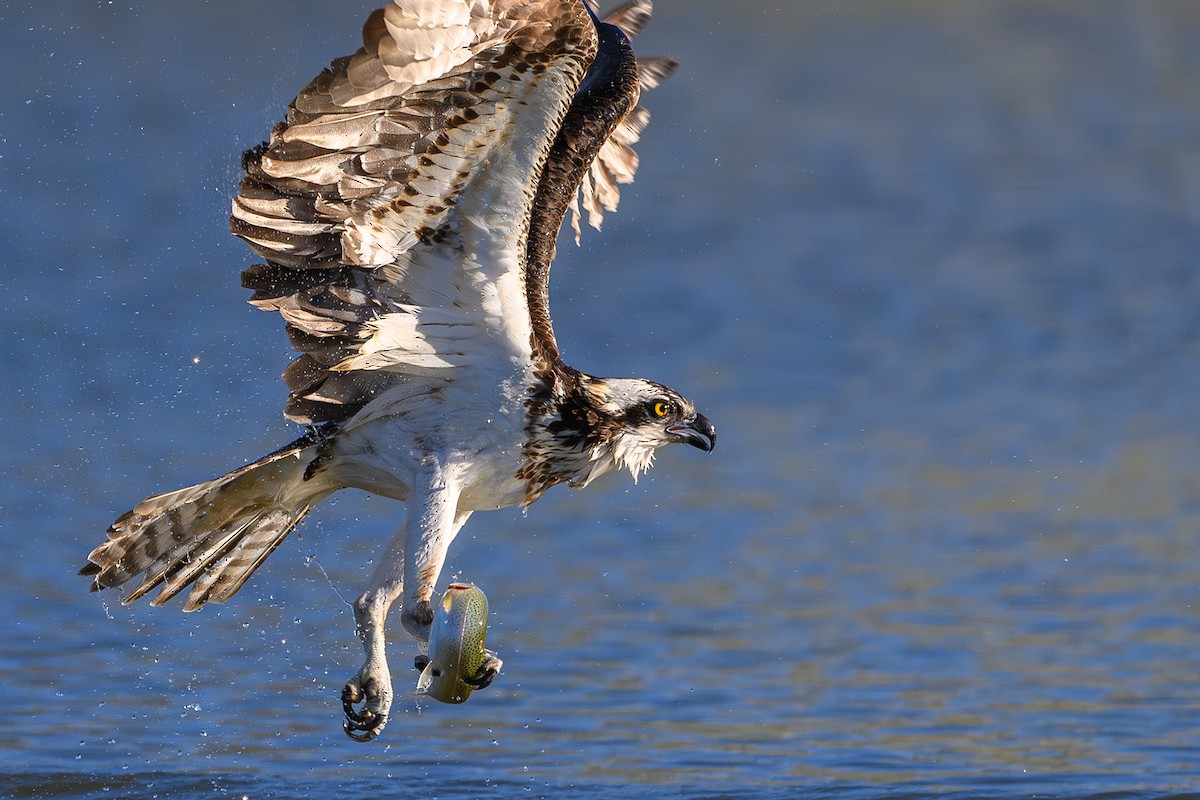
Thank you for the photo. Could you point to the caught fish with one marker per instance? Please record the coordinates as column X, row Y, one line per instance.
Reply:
column 458, row 663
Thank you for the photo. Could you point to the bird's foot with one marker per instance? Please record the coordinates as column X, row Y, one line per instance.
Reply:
column 374, row 692
column 487, row 671
column 482, row 678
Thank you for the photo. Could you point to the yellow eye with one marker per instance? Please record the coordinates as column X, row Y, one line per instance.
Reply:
column 661, row 409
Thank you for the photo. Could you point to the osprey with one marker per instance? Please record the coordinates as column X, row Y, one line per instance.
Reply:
column 407, row 210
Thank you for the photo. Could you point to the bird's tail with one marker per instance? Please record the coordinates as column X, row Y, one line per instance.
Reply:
column 214, row 534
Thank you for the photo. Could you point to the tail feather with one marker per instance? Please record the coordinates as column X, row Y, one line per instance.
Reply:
column 213, row 535
column 181, row 565
column 235, row 567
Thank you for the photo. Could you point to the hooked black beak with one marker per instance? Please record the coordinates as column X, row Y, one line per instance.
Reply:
column 699, row 432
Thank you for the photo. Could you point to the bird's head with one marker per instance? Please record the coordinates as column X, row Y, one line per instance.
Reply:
column 648, row 415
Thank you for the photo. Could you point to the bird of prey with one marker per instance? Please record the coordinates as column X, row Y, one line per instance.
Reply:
column 407, row 210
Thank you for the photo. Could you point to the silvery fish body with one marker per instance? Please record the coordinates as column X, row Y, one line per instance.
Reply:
column 456, row 641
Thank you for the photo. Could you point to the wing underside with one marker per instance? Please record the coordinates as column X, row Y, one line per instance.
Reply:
column 393, row 203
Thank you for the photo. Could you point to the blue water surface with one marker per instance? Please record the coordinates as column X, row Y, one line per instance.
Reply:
column 931, row 269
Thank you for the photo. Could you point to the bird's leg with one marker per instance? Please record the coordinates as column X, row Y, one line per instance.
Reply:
column 372, row 686
column 429, row 527
column 437, row 522
column 433, row 521
column 428, row 543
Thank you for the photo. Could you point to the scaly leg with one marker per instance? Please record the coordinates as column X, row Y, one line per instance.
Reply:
column 420, row 577
column 372, row 686
column 431, row 524
column 428, row 543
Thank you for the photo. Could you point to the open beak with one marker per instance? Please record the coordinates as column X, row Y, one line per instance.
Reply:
column 699, row 432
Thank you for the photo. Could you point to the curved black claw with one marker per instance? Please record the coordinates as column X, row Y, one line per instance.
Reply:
column 420, row 662
column 361, row 726
column 351, row 730
column 483, row 678
column 351, row 694
column 487, row 672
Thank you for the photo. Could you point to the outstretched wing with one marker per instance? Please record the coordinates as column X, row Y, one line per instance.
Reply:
column 394, row 203
column 391, row 204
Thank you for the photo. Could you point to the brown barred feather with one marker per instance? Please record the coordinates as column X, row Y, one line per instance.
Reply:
column 215, row 533
column 631, row 17
column 616, row 162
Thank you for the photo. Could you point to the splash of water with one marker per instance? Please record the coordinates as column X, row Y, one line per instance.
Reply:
column 312, row 559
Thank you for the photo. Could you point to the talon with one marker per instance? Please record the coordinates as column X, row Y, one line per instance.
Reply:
column 367, row 735
column 351, row 694
column 420, row 662
column 364, row 726
column 370, row 723
column 481, row 679
column 486, row 673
